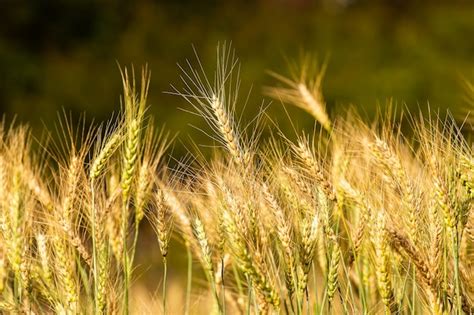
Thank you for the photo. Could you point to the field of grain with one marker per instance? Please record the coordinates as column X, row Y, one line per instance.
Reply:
column 351, row 217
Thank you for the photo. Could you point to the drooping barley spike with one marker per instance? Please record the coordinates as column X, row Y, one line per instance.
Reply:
column 315, row 106
column 404, row 246
column 304, row 91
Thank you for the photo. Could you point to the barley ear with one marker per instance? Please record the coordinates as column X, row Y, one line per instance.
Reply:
column 99, row 162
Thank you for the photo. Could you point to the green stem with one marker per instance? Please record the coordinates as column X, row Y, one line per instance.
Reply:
column 223, row 286
column 315, row 286
column 189, row 280
column 413, row 311
column 344, row 301
column 237, row 280
column 249, row 299
column 126, row 270
column 134, row 245
column 165, row 273
column 456, row 271
column 214, row 293
column 94, row 249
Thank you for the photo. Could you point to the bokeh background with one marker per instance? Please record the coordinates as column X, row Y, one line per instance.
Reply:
column 58, row 54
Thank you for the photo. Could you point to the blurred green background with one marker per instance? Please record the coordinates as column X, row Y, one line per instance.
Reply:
column 63, row 53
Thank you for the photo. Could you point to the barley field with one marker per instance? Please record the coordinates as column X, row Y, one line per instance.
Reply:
column 353, row 216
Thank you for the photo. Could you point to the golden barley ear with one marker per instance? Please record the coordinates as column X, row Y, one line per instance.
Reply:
column 216, row 99
column 161, row 222
column 304, row 90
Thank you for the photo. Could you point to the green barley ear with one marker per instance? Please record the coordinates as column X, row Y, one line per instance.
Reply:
column 250, row 263
column 333, row 270
column 130, row 156
column 382, row 264
column 103, row 273
column 206, row 255
column 135, row 105
column 99, row 162
column 309, row 233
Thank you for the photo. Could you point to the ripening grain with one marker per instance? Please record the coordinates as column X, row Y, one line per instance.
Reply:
column 355, row 219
